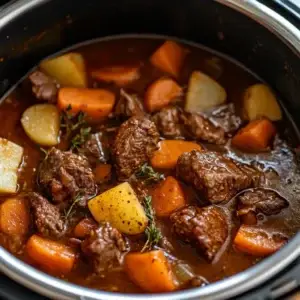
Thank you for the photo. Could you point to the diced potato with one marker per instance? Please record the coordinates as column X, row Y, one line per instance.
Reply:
column 10, row 159
column 203, row 93
column 260, row 101
column 41, row 123
column 121, row 207
column 67, row 69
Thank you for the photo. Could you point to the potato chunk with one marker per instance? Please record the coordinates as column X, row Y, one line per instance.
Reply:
column 41, row 123
column 203, row 93
column 121, row 207
column 260, row 101
column 67, row 69
column 10, row 159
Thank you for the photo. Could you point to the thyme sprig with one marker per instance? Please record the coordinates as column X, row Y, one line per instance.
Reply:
column 68, row 213
column 148, row 175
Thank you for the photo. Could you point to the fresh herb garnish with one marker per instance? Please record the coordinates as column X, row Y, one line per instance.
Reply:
column 147, row 174
column 69, row 212
column 153, row 234
column 80, row 138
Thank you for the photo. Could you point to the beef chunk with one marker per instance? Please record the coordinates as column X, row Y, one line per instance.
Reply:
column 106, row 248
column 206, row 228
column 167, row 122
column 129, row 105
column 96, row 149
column 261, row 200
column 226, row 118
column 47, row 217
column 136, row 140
column 64, row 175
column 44, row 87
column 200, row 128
column 217, row 177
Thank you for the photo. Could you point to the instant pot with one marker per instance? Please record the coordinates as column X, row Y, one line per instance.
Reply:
column 262, row 35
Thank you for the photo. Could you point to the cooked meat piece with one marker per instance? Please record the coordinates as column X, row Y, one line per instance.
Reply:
column 206, row 228
column 129, row 105
column 167, row 122
column 47, row 217
column 217, row 177
column 261, row 200
column 44, row 87
column 199, row 128
column 64, row 175
column 106, row 248
column 136, row 140
column 226, row 118
column 96, row 149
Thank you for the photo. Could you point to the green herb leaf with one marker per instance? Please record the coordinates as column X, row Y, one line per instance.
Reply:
column 80, row 138
column 147, row 174
column 69, row 212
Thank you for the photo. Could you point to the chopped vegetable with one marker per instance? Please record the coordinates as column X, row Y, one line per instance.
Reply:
column 169, row 58
column 120, row 75
column 203, row 93
column 169, row 151
column 102, row 173
column 67, row 69
column 255, row 241
column 80, row 138
column 10, row 159
column 95, row 103
column 160, row 93
column 52, row 256
column 148, row 175
column 84, row 227
column 41, row 122
column 167, row 197
column 255, row 137
column 150, row 271
column 260, row 101
column 121, row 207
column 14, row 217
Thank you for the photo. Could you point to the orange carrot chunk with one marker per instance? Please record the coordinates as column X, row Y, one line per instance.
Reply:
column 255, row 241
column 169, row 58
column 14, row 217
column 51, row 256
column 167, row 197
column 120, row 75
column 160, row 93
column 96, row 103
column 84, row 227
column 169, row 151
column 102, row 173
column 150, row 271
column 255, row 137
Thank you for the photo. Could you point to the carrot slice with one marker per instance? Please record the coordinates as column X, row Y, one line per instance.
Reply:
column 255, row 137
column 50, row 255
column 169, row 58
column 160, row 93
column 96, row 103
column 167, row 197
column 120, row 75
column 255, row 241
column 84, row 227
column 14, row 217
column 102, row 173
column 150, row 271
column 169, row 151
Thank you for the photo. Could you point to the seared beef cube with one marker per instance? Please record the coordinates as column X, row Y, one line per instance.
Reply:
column 261, row 200
column 200, row 128
column 105, row 247
column 136, row 140
column 96, row 149
column 206, row 228
column 47, row 217
column 217, row 177
column 44, row 87
column 167, row 122
column 65, row 175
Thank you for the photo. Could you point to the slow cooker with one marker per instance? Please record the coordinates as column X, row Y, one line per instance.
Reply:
column 262, row 35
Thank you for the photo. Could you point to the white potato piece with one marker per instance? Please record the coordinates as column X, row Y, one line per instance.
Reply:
column 260, row 101
column 67, row 69
column 121, row 207
column 10, row 159
column 203, row 93
column 41, row 123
